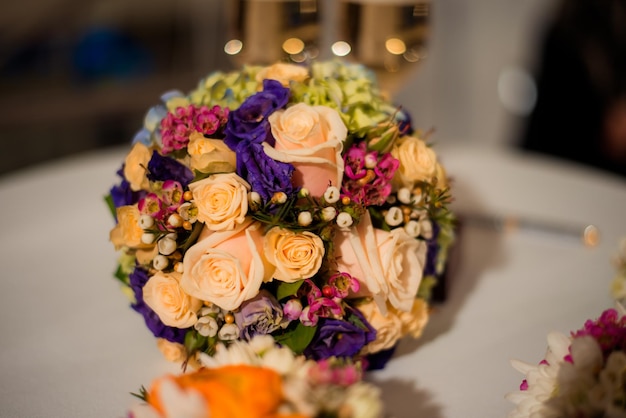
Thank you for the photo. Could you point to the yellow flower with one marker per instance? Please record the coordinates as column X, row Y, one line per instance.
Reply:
column 210, row 155
column 136, row 167
column 414, row 322
column 294, row 255
column 174, row 352
column 388, row 327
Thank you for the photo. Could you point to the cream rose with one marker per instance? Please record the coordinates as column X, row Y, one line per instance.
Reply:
column 136, row 167
column 414, row 322
column 127, row 232
column 418, row 162
column 389, row 265
column 222, row 200
column 225, row 267
column 210, row 155
column 311, row 138
column 388, row 327
column 163, row 294
column 284, row 73
column 295, row 256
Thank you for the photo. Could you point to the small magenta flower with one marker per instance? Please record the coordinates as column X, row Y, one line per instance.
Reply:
column 151, row 205
column 177, row 126
column 172, row 194
column 342, row 283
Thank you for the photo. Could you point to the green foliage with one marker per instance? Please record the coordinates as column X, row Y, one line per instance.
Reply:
column 288, row 289
column 298, row 338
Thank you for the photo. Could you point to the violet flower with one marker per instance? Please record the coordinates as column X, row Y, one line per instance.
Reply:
column 260, row 315
column 162, row 168
column 340, row 338
column 265, row 175
column 249, row 122
column 122, row 194
column 138, row 279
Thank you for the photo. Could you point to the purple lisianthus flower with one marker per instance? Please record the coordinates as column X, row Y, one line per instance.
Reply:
column 260, row 315
column 265, row 175
column 122, row 194
column 138, row 279
column 249, row 122
column 432, row 252
column 162, row 168
column 340, row 338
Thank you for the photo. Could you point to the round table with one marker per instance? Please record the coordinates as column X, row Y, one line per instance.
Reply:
column 72, row 347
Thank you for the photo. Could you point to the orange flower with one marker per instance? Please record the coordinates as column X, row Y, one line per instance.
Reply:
column 231, row 391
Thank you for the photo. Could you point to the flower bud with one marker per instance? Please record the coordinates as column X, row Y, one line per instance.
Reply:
column 405, row 196
column 175, row 220
column 305, row 218
column 427, row 229
column 147, row 238
column 166, row 246
column 228, row 332
column 332, row 195
column 254, row 199
column 279, row 198
column 344, row 220
column 329, row 213
column 394, row 216
column 304, row 192
column 145, row 222
column 370, row 160
column 206, row 326
column 412, row 228
column 292, row 309
column 160, row 262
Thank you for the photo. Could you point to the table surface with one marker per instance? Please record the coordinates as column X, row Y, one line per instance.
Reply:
column 72, row 347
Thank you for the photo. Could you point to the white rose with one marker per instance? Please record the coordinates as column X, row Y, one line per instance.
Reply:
column 389, row 265
column 311, row 138
column 225, row 267
column 222, row 200
column 163, row 294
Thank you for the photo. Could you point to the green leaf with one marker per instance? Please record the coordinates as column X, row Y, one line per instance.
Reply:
column 143, row 394
column 288, row 289
column 109, row 201
column 194, row 341
column 297, row 339
column 121, row 275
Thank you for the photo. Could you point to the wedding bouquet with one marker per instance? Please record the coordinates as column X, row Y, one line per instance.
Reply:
column 258, row 379
column 286, row 201
column 583, row 375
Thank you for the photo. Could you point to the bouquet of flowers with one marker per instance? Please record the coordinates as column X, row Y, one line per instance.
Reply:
column 286, row 201
column 583, row 375
column 258, row 379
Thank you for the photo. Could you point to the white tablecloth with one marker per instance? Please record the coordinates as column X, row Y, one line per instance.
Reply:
column 70, row 346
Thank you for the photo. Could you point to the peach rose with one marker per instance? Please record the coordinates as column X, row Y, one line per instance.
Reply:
column 127, row 232
column 136, row 167
column 225, row 267
column 295, row 255
column 163, row 294
column 388, row 327
column 388, row 264
column 311, row 138
column 284, row 73
column 174, row 352
column 222, row 200
column 210, row 155
column 418, row 162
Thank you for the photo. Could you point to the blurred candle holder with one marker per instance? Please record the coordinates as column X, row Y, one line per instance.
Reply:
column 266, row 31
column 388, row 36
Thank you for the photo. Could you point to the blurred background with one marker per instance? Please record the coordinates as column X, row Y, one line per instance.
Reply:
column 535, row 75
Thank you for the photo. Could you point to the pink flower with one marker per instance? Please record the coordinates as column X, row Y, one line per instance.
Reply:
column 151, row 205
column 177, row 126
column 342, row 283
column 172, row 194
